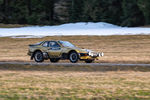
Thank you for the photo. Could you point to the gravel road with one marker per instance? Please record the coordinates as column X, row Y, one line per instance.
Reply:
column 72, row 64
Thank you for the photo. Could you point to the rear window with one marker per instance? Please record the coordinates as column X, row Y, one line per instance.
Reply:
column 45, row 44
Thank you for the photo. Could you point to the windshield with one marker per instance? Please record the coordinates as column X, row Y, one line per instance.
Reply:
column 66, row 44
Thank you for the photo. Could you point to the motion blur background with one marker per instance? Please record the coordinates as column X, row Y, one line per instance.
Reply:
column 53, row 12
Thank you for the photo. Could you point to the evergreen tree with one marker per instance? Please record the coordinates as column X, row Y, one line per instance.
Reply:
column 102, row 10
column 145, row 7
column 114, row 11
column 19, row 12
column 49, row 11
column 92, row 10
column 29, row 7
column 38, row 14
column 75, row 12
column 121, row 12
column 1, row 11
column 132, row 16
column 6, row 11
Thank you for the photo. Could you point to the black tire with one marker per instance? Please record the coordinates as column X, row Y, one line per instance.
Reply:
column 54, row 60
column 38, row 56
column 73, row 57
column 89, row 61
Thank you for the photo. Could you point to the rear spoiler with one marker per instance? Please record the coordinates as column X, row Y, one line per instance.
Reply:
column 36, row 44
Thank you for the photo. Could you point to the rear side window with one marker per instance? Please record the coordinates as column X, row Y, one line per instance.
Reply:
column 53, row 44
column 45, row 44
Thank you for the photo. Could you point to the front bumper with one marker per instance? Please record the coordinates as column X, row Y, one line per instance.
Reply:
column 90, row 55
column 93, row 54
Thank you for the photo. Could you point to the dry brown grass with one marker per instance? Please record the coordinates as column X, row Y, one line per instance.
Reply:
column 125, row 49
column 24, row 82
column 12, row 25
column 35, row 84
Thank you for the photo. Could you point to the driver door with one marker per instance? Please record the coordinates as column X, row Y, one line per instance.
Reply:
column 54, row 49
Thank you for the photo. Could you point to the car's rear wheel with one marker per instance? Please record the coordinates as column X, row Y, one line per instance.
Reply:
column 54, row 60
column 73, row 57
column 38, row 56
column 89, row 61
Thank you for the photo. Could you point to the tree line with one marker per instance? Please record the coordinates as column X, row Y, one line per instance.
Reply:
column 51, row 12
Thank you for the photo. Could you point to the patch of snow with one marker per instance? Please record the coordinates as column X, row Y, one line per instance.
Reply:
column 27, row 36
column 82, row 28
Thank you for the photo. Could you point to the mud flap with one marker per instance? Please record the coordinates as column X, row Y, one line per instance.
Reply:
column 32, row 56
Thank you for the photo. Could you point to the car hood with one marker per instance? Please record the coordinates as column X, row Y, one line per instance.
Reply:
column 79, row 50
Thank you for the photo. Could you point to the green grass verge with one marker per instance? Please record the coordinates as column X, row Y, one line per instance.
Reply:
column 26, row 82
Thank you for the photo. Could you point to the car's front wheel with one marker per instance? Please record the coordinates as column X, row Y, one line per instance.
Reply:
column 38, row 56
column 73, row 57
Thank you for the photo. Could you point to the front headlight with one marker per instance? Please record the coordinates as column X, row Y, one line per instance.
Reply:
column 90, row 54
column 101, row 54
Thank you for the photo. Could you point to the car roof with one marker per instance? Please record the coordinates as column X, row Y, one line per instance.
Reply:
column 52, row 40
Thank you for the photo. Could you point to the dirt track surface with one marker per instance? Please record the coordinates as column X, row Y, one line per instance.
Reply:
column 72, row 64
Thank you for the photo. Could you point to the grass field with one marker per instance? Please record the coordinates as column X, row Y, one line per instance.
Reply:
column 24, row 82
column 118, row 49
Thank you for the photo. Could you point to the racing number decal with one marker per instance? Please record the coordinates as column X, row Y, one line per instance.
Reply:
column 54, row 48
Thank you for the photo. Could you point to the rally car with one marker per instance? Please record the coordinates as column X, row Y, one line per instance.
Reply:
column 57, row 50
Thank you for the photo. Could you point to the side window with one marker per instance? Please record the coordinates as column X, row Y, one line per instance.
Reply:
column 54, row 44
column 45, row 44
